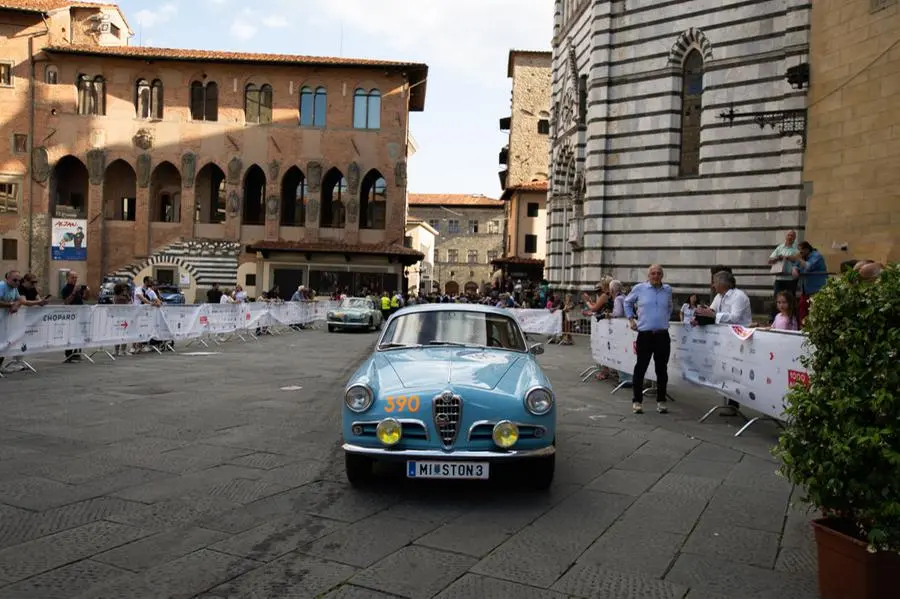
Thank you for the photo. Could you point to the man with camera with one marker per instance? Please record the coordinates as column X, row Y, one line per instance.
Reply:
column 73, row 294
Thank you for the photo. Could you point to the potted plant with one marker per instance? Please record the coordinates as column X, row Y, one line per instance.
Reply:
column 842, row 440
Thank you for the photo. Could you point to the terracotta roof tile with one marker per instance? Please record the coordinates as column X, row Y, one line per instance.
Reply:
column 47, row 5
column 320, row 247
column 146, row 52
column 451, row 199
column 533, row 186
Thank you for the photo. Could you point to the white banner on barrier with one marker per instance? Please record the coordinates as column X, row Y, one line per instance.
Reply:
column 539, row 322
column 755, row 370
column 37, row 330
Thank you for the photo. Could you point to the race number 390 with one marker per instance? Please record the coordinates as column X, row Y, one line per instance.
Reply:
column 402, row 403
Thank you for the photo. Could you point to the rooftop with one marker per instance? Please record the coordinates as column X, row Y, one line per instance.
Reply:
column 44, row 6
column 535, row 186
column 451, row 199
column 417, row 73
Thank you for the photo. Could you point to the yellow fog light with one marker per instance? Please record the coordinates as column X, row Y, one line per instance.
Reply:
column 389, row 431
column 505, row 434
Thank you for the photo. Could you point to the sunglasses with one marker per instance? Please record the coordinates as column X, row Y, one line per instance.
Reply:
column 14, row 280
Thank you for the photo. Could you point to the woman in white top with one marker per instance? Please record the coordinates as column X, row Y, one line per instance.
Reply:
column 688, row 309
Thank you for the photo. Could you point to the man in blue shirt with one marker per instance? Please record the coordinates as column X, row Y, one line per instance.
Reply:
column 813, row 273
column 654, row 299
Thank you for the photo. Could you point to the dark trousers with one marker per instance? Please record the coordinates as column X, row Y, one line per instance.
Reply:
column 656, row 345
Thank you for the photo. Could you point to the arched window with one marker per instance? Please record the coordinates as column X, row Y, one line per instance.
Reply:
column 91, row 95
column 373, row 201
column 367, row 109
column 334, row 188
column 204, row 101
column 258, row 104
column 51, row 74
column 691, row 110
column 148, row 99
column 313, row 107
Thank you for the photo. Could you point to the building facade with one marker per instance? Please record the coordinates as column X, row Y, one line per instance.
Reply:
column 422, row 237
column 644, row 169
column 853, row 148
column 470, row 236
column 199, row 167
column 527, row 159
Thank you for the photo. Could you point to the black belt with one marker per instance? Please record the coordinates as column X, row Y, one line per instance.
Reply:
column 655, row 332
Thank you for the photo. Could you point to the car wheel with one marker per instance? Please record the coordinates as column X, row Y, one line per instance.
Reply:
column 541, row 472
column 331, row 328
column 358, row 468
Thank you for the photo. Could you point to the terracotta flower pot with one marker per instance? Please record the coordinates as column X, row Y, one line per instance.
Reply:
column 846, row 568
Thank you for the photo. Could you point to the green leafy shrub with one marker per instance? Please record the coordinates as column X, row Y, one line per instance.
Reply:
column 842, row 441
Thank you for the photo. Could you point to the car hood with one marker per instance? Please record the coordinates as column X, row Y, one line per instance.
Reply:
column 424, row 368
column 349, row 311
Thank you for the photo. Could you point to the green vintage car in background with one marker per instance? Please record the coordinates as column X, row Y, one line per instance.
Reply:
column 355, row 313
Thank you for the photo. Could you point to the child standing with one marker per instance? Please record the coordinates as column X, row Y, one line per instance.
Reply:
column 786, row 319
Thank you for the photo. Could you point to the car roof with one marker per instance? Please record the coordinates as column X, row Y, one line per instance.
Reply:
column 455, row 308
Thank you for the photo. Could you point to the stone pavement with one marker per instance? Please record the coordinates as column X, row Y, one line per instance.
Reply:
column 215, row 476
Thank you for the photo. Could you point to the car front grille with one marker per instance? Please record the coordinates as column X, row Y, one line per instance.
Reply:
column 447, row 409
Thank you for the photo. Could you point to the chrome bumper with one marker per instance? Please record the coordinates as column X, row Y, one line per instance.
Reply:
column 344, row 323
column 450, row 455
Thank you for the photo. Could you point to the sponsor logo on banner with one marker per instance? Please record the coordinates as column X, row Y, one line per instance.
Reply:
column 748, row 370
column 742, row 333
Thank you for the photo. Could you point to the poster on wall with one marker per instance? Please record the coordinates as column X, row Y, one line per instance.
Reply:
column 69, row 239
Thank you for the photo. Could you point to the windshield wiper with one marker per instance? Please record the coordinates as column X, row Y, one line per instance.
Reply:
column 392, row 344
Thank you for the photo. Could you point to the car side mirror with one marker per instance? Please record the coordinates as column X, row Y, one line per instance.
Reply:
column 536, row 349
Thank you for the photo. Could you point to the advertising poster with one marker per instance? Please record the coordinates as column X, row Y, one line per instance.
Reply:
column 69, row 239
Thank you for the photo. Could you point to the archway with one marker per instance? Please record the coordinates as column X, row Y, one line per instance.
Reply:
column 471, row 288
column 119, row 192
column 293, row 198
column 165, row 194
column 334, row 190
column 209, row 188
column 69, row 189
column 451, row 288
column 373, row 201
column 254, row 196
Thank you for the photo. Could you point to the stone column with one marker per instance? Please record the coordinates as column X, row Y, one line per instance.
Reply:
column 351, row 203
column 188, row 194
column 93, row 268
column 272, row 207
column 313, row 200
column 142, row 207
column 233, row 206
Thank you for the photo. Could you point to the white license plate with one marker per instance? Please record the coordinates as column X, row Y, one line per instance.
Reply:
column 466, row 470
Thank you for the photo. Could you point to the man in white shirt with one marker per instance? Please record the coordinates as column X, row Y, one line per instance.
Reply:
column 731, row 305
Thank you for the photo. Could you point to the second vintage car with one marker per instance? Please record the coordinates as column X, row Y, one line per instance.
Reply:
column 452, row 391
column 354, row 313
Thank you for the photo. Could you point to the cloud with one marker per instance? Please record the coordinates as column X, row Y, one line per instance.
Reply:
column 470, row 36
column 151, row 18
column 243, row 30
column 275, row 22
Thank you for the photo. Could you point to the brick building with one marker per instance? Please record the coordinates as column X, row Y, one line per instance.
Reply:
column 199, row 166
column 470, row 236
column 527, row 157
column 853, row 147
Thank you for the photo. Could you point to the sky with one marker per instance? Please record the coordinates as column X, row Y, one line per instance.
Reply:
column 465, row 44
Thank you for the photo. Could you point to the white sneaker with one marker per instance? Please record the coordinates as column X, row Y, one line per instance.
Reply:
column 661, row 407
column 637, row 408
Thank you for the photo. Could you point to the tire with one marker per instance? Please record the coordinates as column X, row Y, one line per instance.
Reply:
column 358, row 469
column 541, row 472
column 331, row 328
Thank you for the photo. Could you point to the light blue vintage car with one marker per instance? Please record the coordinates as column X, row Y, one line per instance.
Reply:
column 453, row 391
column 354, row 313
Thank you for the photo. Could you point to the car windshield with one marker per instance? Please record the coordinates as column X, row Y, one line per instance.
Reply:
column 454, row 327
column 356, row 303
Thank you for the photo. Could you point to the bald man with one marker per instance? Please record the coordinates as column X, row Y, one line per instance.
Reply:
column 654, row 298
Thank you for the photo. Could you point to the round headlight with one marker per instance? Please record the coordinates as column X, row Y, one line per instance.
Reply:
column 505, row 434
column 330, row 315
column 389, row 431
column 539, row 401
column 358, row 398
